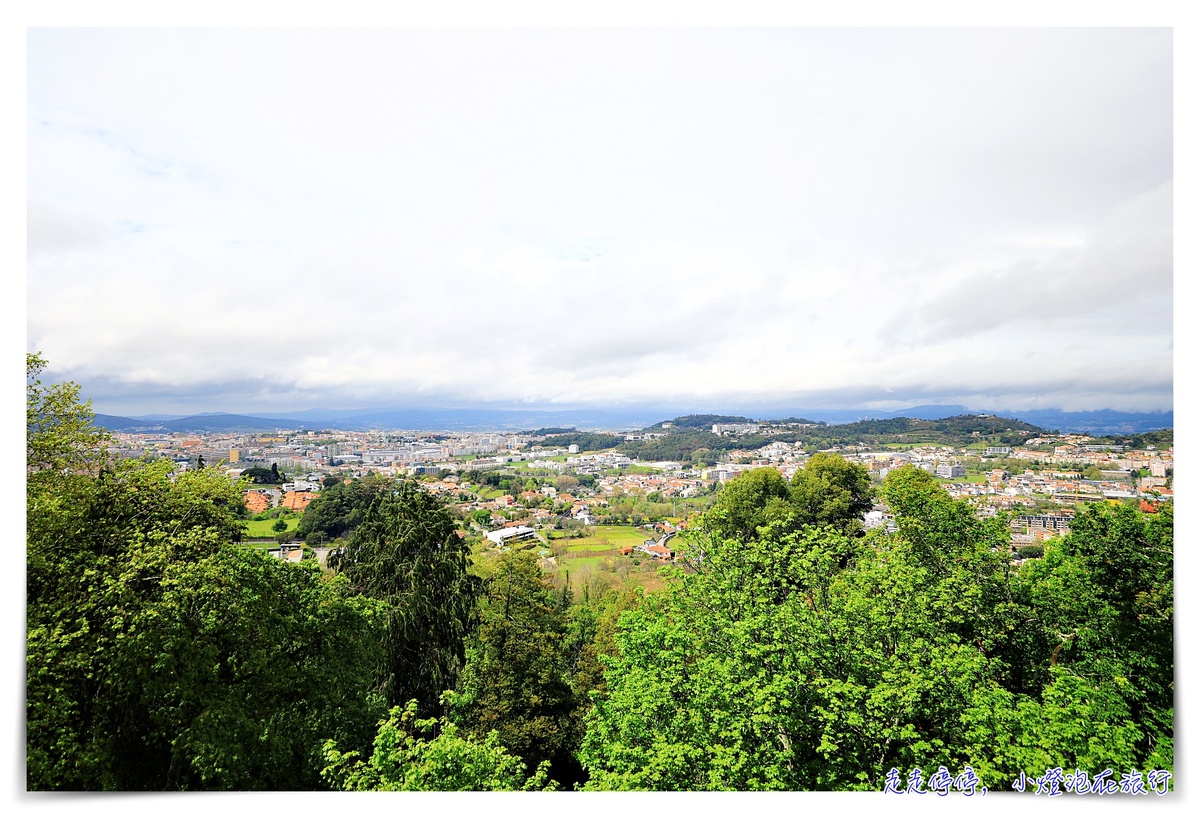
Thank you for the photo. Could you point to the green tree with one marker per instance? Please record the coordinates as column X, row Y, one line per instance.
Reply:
column 159, row 653
column 516, row 677
column 429, row 754
column 60, row 430
column 812, row 659
column 1102, row 602
column 831, row 491
column 339, row 509
column 749, row 501
column 234, row 679
column 407, row 553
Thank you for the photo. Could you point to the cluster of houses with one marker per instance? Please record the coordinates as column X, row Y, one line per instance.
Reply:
column 264, row 499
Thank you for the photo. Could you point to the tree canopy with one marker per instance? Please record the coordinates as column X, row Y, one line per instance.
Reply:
column 406, row 553
column 828, row 491
column 162, row 654
column 809, row 659
column 60, row 431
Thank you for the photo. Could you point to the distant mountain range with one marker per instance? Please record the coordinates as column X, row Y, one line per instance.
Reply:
column 1101, row 422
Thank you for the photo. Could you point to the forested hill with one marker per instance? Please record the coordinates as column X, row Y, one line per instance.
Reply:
column 689, row 439
column 957, row 430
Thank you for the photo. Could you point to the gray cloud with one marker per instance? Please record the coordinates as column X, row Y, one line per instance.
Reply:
column 1126, row 264
column 53, row 230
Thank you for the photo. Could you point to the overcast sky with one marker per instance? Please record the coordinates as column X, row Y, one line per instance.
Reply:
column 271, row 220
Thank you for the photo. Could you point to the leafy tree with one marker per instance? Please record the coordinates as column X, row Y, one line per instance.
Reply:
column 234, row 679
column 1102, row 599
column 159, row 655
column 811, row 659
column 516, row 677
column 566, row 483
column 60, row 431
column 162, row 655
column 831, row 491
column 339, row 509
column 404, row 759
column 260, row 475
column 828, row 492
column 407, row 553
column 748, row 502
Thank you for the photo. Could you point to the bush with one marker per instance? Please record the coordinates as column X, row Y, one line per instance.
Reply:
column 1030, row 551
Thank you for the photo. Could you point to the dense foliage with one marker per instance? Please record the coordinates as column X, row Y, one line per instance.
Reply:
column 339, row 509
column 827, row 491
column 60, row 433
column 429, row 754
column 263, row 476
column 586, row 441
column 162, row 655
column 516, row 680
column 407, row 554
column 801, row 658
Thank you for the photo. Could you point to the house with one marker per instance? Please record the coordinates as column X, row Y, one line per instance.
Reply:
column 297, row 500
column 660, row 552
column 511, row 534
column 287, row 553
column 256, row 501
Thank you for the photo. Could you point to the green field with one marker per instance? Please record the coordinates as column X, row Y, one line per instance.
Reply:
column 609, row 536
column 256, row 529
column 600, row 572
column 608, row 568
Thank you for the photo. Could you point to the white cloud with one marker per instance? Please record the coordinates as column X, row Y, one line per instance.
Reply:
column 273, row 219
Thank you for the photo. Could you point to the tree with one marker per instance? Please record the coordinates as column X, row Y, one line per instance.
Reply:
column 831, row 491
column 60, row 431
column 748, row 502
column 234, row 679
column 338, row 509
column 161, row 654
column 407, row 553
column 516, row 681
column 812, row 659
column 405, row 759
column 1102, row 599
column 827, row 492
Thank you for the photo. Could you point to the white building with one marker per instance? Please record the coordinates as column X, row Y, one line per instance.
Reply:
column 514, row 533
